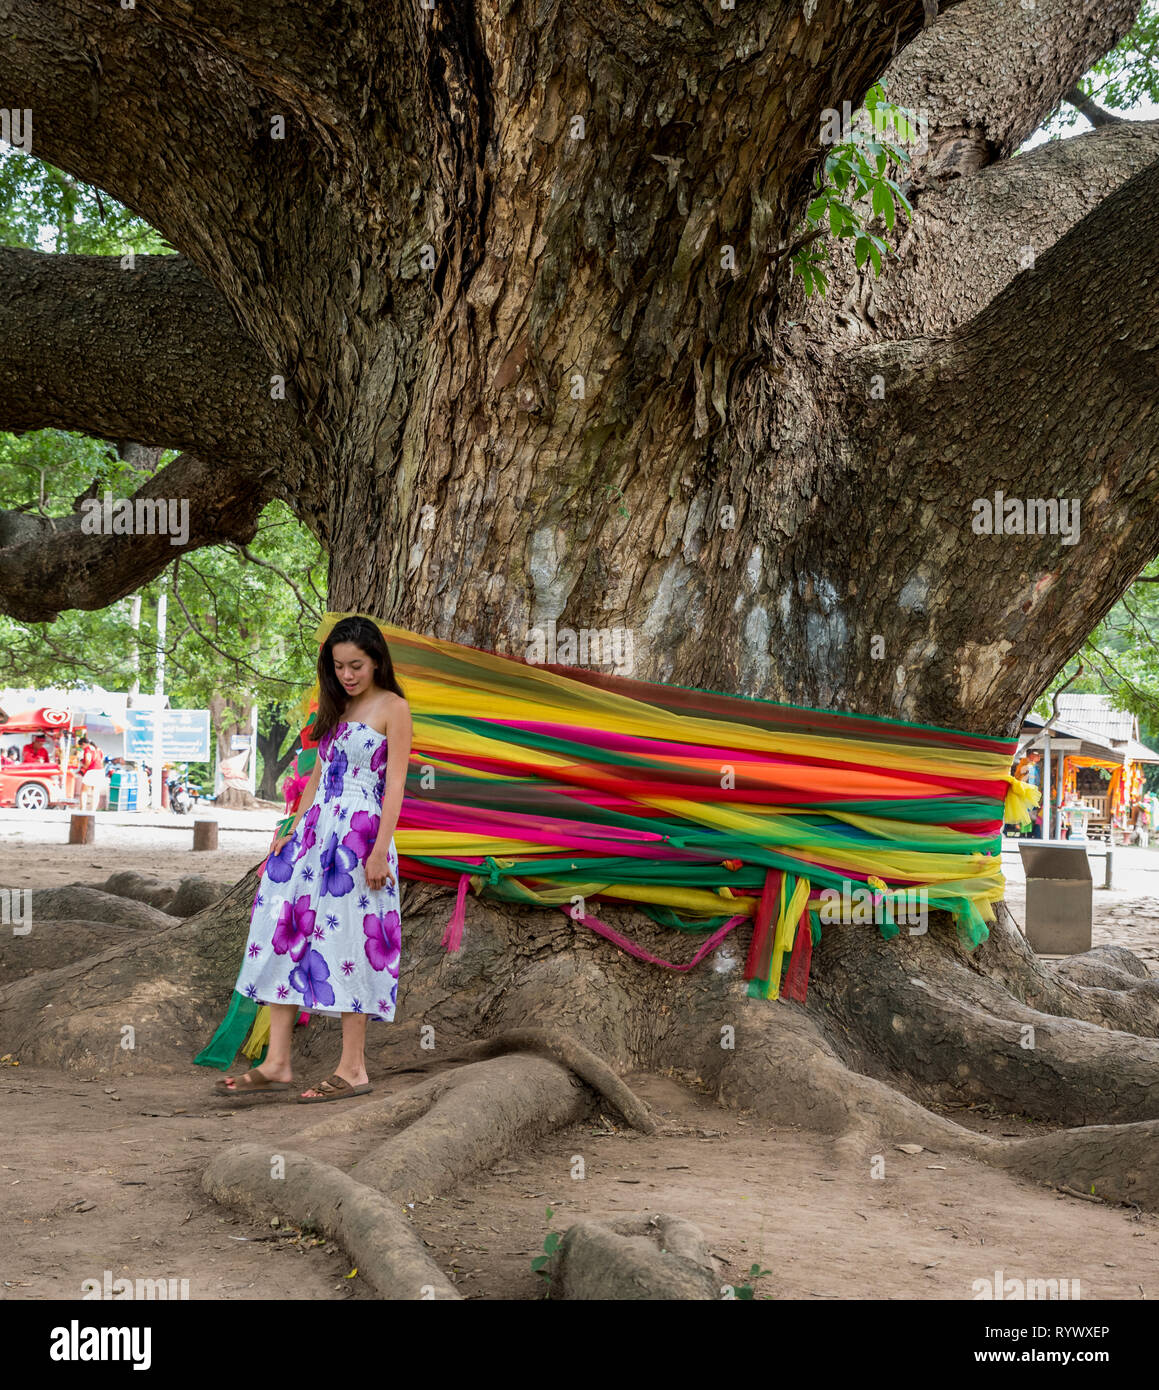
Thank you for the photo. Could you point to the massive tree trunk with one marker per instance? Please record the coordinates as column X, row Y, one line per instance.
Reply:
column 495, row 299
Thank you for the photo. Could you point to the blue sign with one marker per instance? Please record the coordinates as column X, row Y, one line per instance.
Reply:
column 184, row 735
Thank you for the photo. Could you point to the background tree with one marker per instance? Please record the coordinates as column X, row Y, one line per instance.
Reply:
column 499, row 302
column 225, row 644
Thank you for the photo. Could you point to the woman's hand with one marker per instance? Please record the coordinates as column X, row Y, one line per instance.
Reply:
column 279, row 840
column 378, row 871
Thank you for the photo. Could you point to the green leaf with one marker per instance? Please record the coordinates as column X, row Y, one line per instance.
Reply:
column 861, row 250
column 883, row 203
column 905, row 202
column 816, row 209
column 551, row 1244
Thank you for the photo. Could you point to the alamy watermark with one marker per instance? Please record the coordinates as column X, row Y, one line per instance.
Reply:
column 838, row 126
column 16, row 909
column 16, row 128
column 168, row 1289
column 1015, row 1289
column 876, row 906
column 1036, row 516
column 136, row 516
column 585, row 646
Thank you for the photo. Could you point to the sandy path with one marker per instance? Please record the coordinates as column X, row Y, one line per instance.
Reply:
column 928, row 1229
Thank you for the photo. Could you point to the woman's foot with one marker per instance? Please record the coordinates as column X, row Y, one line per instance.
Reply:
column 282, row 1073
column 355, row 1075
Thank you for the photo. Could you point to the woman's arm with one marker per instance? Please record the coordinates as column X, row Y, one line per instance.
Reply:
column 399, row 732
column 308, row 793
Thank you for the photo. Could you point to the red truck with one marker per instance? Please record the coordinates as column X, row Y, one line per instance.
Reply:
column 35, row 786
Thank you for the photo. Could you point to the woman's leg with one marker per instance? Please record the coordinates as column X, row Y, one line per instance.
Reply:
column 277, row 1064
column 352, row 1066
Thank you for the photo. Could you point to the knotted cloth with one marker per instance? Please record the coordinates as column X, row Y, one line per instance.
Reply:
column 559, row 786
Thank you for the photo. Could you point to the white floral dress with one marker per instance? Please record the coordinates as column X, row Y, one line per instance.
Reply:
column 319, row 937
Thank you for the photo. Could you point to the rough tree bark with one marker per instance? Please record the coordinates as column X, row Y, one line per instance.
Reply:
column 519, row 270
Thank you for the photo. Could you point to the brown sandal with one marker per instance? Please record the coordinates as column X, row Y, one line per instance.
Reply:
column 337, row 1088
column 252, row 1085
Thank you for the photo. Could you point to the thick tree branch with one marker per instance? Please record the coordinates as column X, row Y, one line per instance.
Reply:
column 170, row 130
column 1088, row 107
column 50, row 564
column 148, row 353
column 178, row 133
column 1050, row 393
column 987, row 74
column 970, row 237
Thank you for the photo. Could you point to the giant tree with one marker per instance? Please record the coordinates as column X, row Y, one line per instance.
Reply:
column 498, row 299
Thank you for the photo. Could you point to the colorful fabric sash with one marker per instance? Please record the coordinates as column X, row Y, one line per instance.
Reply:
column 559, row 786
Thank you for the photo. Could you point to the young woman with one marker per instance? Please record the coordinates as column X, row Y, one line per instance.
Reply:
column 325, row 934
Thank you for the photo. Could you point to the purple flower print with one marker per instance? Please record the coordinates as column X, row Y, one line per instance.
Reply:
column 336, row 861
column 255, row 949
column 280, row 866
column 361, row 835
column 295, row 927
column 252, row 991
column 335, row 775
column 282, row 991
column 378, row 758
column 309, row 979
column 383, row 940
column 306, row 828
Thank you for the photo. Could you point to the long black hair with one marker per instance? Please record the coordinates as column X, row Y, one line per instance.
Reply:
column 332, row 698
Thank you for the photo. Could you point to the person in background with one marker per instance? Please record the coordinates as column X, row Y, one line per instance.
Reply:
column 90, row 762
column 36, row 751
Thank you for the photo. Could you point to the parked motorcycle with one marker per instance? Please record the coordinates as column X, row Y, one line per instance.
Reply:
column 182, row 798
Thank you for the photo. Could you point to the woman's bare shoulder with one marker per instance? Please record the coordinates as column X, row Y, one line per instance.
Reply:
column 393, row 707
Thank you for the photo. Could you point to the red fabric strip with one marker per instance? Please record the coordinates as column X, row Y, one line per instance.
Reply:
column 797, row 976
column 761, row 947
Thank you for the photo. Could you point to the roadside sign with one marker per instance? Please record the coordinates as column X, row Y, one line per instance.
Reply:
column 184, row 735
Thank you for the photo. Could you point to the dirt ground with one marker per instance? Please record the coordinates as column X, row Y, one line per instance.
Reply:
column 97, row 1176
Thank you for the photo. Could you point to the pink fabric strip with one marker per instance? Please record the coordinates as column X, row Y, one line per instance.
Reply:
column 638, row 951
column 453, row 936
column 570, row 834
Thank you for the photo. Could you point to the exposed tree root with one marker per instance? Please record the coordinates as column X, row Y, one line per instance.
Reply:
column 551, row 1042
column 1128, row 1002
column 76, row 901
column 369, row 1226
column 482, row 1113
column 1119, row 1163
column 52, row 944
column 192, row 894
column 649, row 1256
column 926, row 1018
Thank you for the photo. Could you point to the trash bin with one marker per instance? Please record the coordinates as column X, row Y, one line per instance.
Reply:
column 1059, row 896
column 125, row 794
